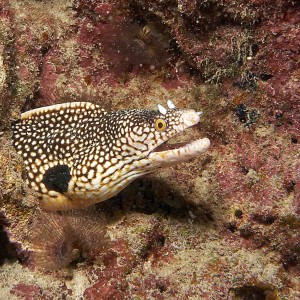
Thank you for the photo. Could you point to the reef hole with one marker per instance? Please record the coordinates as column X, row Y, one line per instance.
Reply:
column 254, row 293
column 7, row 250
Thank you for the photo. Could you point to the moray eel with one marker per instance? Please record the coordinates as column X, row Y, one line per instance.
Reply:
column 77, row 154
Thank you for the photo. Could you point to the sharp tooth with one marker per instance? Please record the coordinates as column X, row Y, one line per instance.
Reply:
column 199, row 113
column 161, row 109
column 170, row 104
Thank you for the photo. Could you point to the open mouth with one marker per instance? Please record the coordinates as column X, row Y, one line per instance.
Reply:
column 166, row 146
column 172, row 143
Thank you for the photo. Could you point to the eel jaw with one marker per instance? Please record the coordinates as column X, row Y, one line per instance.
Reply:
column 165, row 154
column 179, row 154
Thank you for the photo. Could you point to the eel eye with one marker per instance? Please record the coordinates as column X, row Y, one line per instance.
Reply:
column 160, row 125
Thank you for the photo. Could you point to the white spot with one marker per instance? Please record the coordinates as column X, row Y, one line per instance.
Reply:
column 114, row 160
column 107, row 164
column 84, row 170
column 105, row 180
column 83, row 179
column 52, row 193
column 43, row 188
column 94, row 164
column 39, row 178
column 91, row 174
column 34, row 169
column 99, row 169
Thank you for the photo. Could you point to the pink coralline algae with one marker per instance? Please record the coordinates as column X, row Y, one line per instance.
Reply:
column 111, row 282
column 222, row 226
column 26, row 291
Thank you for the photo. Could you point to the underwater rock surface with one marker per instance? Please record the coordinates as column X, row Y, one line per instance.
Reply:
column 223, row 226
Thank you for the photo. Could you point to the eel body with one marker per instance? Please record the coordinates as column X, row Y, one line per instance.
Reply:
column 77, row 154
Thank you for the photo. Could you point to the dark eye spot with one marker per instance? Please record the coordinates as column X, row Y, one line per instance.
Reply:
column 57, row 178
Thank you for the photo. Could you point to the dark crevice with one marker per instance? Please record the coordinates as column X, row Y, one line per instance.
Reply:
column 294, row 140
column 8, row 251
column 238, row 213
column 265, row 219
column 254, row 293
column 265, row 76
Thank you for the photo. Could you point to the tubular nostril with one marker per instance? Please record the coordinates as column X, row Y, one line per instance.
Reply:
column 170, row 104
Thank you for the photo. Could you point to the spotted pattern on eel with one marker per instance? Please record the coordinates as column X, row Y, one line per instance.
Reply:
column 77, row 154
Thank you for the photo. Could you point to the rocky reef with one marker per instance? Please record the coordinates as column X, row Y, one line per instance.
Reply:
column 223, row 226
